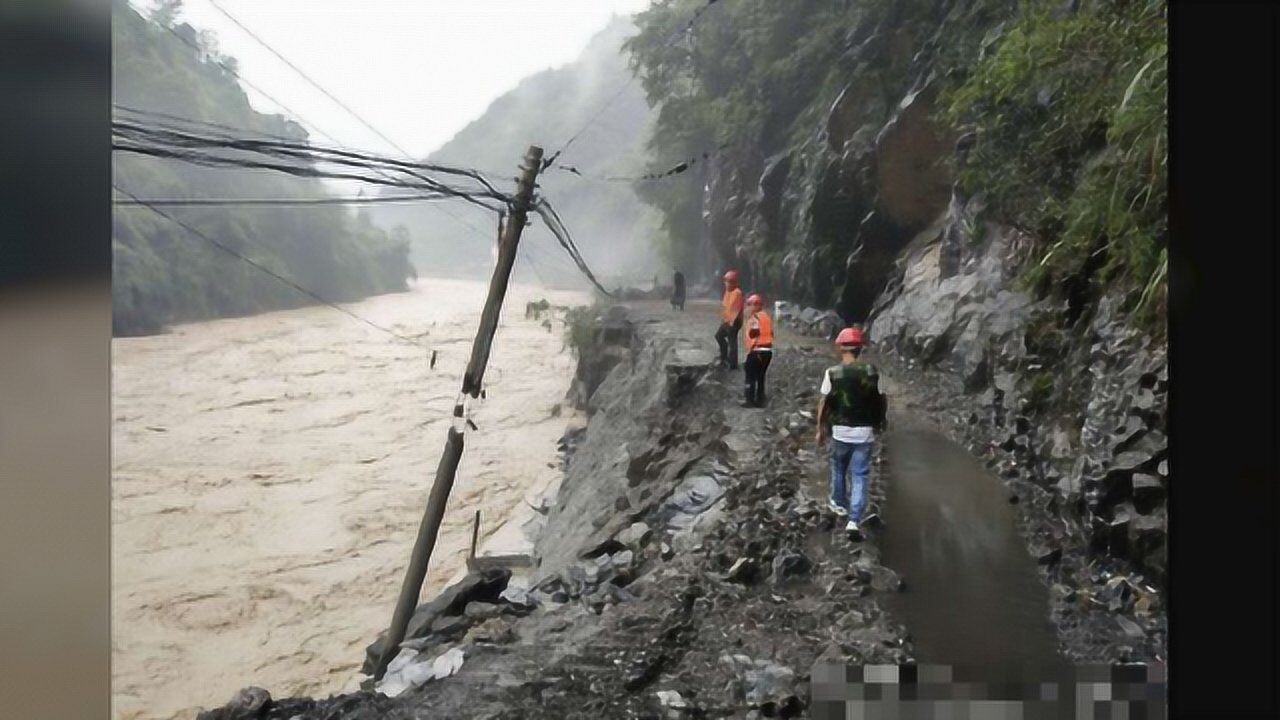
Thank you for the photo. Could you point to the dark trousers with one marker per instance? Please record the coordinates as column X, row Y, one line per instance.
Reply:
column 677, row 301
column 755, row 367
column 727, row 338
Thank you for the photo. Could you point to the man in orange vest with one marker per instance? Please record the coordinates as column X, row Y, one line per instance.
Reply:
column 759, row 350
column 730, row 321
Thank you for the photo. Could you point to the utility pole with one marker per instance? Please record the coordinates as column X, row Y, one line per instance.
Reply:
column 472, row 381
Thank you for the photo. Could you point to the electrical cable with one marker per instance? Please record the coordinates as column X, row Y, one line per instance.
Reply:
column 554, row 222
column 268, row 271
column 318, row 153
column 307, row 77
column 670, row 38
column 252, row 202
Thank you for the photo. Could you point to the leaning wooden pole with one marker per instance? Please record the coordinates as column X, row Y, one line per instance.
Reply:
column 472, row 381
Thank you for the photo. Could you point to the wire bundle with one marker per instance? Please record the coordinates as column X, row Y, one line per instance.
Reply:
column 307, row 160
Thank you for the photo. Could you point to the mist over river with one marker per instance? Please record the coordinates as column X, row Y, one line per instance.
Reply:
column 269, row 475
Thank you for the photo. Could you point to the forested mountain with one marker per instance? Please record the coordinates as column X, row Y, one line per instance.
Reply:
column 162, row 273
column 849, row 121
column 615, row 229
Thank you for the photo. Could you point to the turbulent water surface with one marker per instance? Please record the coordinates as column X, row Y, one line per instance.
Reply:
column 269, row 475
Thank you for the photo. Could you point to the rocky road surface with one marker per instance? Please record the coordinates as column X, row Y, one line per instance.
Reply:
column 687, row 565
column 717, row 601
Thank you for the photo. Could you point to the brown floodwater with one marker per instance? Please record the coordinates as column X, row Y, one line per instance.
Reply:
column 269, row 474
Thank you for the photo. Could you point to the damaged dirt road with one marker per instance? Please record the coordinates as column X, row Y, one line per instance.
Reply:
column 687, row 565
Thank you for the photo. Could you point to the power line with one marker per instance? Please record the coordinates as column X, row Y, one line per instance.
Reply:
column 677, row 169
column 232, row 71
column 614, row 98
column 307, row 77
column 268, row 271
column 199, row 123
column 369, row 125
column 240, row 131
column 292, row 148
column 557, row 227
column 314, row 83
column 211, row 160
column 250, row 202
column 338, row 102
column 200, row 150
column 555, row 224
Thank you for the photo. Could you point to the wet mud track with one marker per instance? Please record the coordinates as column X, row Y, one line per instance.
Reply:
column 975, row 600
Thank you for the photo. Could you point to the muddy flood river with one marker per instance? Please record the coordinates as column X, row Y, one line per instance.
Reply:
column 269, row 475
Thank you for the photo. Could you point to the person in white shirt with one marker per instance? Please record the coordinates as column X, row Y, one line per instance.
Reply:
column 853, row 406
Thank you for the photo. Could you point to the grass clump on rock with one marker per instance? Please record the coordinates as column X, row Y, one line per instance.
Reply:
column 1071, row 118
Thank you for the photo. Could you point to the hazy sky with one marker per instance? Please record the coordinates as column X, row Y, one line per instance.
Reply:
column 418, row 70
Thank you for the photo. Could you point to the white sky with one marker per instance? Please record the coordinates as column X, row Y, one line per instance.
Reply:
column 418, row 70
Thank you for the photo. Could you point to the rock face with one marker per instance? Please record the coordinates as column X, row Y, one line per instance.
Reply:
column 1070, row 411
column 820, row 216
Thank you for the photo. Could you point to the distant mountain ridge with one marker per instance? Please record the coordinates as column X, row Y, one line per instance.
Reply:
column 163, row 273
column 614, row 228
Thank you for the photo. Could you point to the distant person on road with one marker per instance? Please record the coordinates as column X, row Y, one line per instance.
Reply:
column 759, row 350
column 730, row 321
column 853, row 406
column 677, row 291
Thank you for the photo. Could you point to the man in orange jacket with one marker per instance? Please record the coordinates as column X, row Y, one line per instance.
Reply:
column 730, row 321
column 759, row 350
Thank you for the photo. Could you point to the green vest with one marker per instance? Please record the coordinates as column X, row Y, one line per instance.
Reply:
column 855, row 398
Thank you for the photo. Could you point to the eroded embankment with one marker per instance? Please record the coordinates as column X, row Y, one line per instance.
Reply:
column 686, row 560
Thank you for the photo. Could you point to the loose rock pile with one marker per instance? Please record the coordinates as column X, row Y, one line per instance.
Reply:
column 808, row 321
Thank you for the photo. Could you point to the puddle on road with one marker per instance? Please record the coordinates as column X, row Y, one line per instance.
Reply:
column 974, row 599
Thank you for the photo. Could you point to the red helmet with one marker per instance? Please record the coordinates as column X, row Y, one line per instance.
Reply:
column 850, row 336
column 755, row 299
column 731, row 276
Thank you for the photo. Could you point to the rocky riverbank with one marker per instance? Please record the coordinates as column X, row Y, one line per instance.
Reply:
column 686, row 563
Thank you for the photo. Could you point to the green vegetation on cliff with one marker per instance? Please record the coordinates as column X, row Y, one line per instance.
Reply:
column 162, row 274
column 741, row 76
column 1070, row 110
column 841, row 118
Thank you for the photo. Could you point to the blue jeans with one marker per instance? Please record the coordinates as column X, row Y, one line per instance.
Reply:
column 844, row 455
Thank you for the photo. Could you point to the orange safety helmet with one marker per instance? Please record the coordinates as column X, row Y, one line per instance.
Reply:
column 731, row 276
column 755, row 299
column 850, row 336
